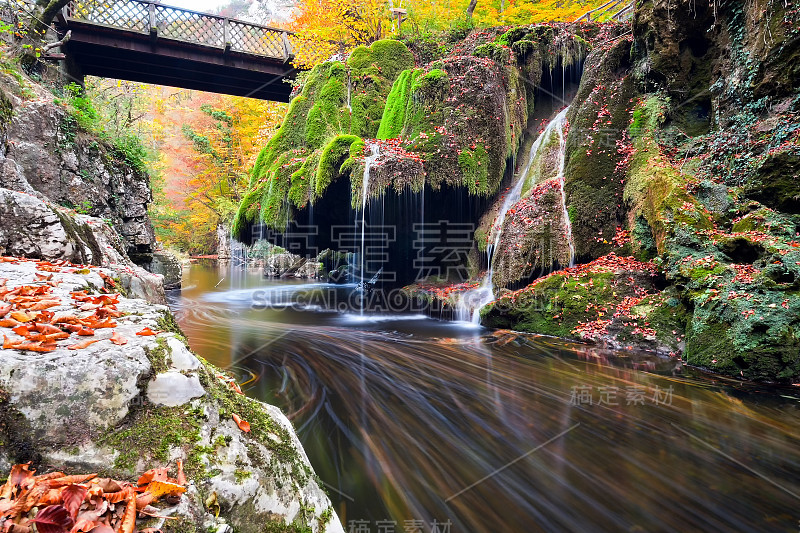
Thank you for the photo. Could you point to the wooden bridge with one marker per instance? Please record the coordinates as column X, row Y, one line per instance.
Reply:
column 146, row 41
column 613, row 10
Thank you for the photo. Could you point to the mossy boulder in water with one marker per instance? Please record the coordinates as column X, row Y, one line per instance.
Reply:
column 338, row 99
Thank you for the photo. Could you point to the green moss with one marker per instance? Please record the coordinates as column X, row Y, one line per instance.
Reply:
column 149, row 433
column 240, row 475
column 394, row 113
column 333, row 157
column 285, row 459
column 283, row 177
column 572, row 300
column 656, row 192
column 593, row 173
column 167, row 322
column 494, row 51
column 475, row 168
column 158, row 356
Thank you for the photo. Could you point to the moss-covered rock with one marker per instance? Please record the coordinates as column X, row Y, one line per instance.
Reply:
column 338, row 101
column 596, row 149
column 776, row 183
column 612, row 300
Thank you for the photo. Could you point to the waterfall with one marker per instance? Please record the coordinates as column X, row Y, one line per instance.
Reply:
column 374, row 153
column 471, row 302
column 562, row 157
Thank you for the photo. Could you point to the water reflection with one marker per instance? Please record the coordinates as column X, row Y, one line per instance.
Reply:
column 412, row 419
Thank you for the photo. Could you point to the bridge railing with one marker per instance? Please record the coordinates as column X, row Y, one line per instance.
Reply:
column 163, row 21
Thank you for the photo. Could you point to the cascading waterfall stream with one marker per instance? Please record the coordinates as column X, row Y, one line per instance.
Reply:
column 471, row 302
column 374, row 154
column 562, row 147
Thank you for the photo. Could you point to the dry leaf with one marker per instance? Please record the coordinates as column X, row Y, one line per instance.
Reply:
column 155, row 474
column 147, row 332
column 83, row 344
column 118, row 339
column 244, row 425
column 53, row 519
column 73, row 496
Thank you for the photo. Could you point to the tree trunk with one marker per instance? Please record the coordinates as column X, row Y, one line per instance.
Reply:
column 471, row 8
column 49, row 13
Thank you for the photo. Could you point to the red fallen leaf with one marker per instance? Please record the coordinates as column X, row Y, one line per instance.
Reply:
column 47, row 339
column 83, row 344
column 106, row 312
column 8, row 344
column 45, row 304
column 47, row 329
column 73, row 497
column 155, row 474
column 53, row 519
column 63, row 481
column 85, row 332
column 96, row 324
column 244, row 425
column 5, row 309
column 8, row 323
column 118, row 339
column 147, row 332
column 24, row 330
column 128, row 524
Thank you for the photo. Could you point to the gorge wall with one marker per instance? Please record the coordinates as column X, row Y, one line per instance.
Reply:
column 672, row 183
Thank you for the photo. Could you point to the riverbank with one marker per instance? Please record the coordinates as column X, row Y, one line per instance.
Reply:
column 92, row 381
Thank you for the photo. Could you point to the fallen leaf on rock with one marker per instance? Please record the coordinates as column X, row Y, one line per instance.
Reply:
column 83, row 344
column 5, row 309
column 244, row 425
column 147, row 332
column 73, row 496
column 181, row 479
column 53, row 519
column 164, row 488
column 128, row 524
column 85, row 332
column 23, row 316
column 8, row 323
column 154, row 474
column 118, row 339
column 45, row 304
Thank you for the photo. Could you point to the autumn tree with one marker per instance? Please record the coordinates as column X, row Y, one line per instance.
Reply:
column 325, row 27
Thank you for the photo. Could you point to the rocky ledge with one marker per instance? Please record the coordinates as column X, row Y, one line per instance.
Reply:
column 92, row 381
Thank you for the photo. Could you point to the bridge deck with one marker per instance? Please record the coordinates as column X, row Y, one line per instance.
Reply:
column 140, row 40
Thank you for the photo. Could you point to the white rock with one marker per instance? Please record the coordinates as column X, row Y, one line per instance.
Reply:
column 172, row 389
column 182, row 358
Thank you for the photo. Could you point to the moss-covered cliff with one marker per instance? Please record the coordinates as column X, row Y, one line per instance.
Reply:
column 698, row 109
column 455, row 121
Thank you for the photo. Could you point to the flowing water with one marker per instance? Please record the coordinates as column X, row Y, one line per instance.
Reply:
column 426, row 423
column 471, row 302
column 374, row 154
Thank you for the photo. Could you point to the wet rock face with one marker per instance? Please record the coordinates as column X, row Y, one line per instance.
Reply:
column 166, row 264
column 44, row 155
column 37, row 229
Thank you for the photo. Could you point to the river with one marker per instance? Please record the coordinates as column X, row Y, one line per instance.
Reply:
column 415, row 424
